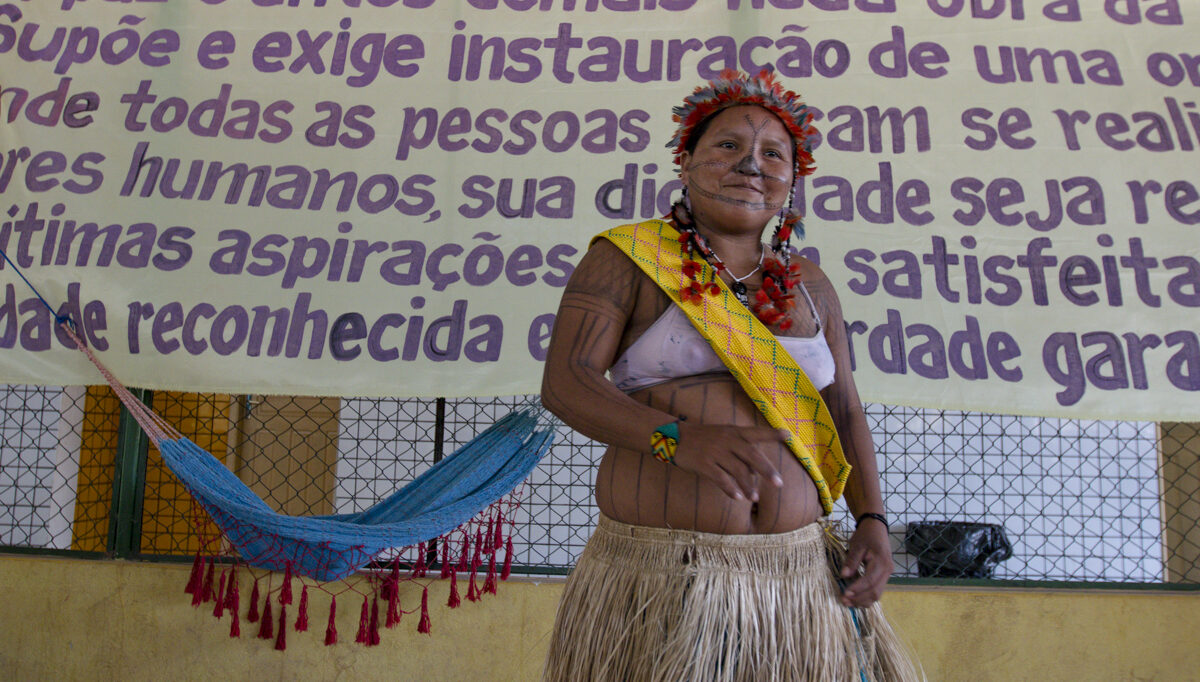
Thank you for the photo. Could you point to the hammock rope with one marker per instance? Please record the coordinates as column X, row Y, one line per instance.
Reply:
column 449, row 506
column 327, row 548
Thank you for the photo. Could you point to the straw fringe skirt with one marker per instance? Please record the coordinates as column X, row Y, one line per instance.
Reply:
column 653, row 604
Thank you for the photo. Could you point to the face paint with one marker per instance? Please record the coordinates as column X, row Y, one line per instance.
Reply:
column 743, row 160
column 727, row 199
column 747, row 166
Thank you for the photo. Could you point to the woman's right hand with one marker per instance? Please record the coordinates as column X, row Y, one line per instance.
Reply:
column 732, row 457
column 592, row 318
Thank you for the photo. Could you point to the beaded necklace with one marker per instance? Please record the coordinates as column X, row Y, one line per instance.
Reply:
column 739, row 289
column 772, row 300
column 696, row 242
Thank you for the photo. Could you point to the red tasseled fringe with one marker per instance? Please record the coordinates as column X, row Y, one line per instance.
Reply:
column 361, row 637
column 207, row 592
column 281, row 638
column 423, row 626
column 232, row 596
column 235, row 627
column 373, row 639
column 198, row 592
column 231, row 588
column 253, row 615
column 331, row 628
column 383, row 588
column 454, row 600
column 219, row 607
column 419, row 566
column 285, row 593
column 499, row 539
column 446, row 568
column 393, row 605
column 233, row 581
column 207, row 588
column 302, row 617
column 489, row 541
column 193, row 584
column 489, row 583
column 472, row 591
column 266, row 627
column 466, row 551
column 507, row 559
column 392, row 584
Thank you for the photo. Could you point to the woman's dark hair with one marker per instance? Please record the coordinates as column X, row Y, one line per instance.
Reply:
column 698, row 133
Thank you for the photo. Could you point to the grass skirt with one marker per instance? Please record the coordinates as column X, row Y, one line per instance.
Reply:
column 653, row 604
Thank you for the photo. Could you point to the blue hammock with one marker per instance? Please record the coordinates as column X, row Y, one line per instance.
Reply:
column 332, row 547
column 446, row 496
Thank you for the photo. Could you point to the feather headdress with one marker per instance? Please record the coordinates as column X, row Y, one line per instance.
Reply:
column 733, row 88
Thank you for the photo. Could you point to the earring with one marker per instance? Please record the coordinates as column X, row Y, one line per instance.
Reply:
column 789, row 218
column 789, row 222
column 681, row 211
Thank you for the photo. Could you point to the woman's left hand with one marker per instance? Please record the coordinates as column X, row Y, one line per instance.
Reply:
column 871, row 550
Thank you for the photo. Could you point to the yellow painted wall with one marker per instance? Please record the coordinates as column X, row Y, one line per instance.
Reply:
column 168, row 516
column 65, row 619
column 94, row 487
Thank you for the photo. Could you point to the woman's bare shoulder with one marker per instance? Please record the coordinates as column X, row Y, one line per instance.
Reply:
column 813, row 277
column 809, row 271
column 819, row 287
column 605, row 272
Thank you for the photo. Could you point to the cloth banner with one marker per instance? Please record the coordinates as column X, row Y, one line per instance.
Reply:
column 387, row 197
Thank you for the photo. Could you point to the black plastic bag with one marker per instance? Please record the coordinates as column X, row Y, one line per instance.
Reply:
column 956, row 549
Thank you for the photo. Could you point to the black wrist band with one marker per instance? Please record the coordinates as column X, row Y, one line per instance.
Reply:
column 870, row 515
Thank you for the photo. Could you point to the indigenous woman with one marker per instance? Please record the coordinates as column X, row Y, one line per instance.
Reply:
column 730, row 385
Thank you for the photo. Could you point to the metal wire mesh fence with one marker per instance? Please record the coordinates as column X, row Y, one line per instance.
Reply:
column 1034, row 499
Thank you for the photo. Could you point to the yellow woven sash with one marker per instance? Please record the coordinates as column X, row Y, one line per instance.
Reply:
column 772, row 379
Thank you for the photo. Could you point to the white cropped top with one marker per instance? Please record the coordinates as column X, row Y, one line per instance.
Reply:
column 672, row 348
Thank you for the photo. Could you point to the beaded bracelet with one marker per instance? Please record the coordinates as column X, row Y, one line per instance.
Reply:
column 870, row 515
column 664, row 441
